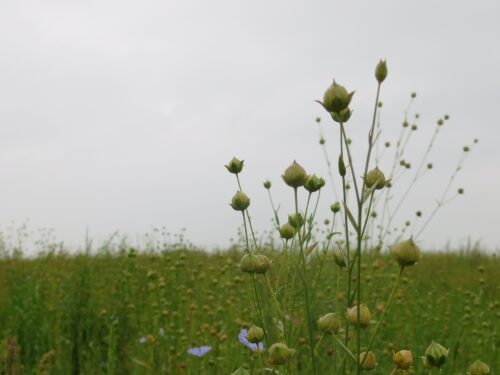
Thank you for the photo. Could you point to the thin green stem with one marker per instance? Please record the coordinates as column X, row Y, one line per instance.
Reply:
column 304, row 282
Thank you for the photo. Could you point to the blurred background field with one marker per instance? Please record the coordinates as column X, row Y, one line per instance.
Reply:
column 123, row 311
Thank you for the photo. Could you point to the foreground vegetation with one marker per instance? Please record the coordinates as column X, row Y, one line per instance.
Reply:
column 123, row 313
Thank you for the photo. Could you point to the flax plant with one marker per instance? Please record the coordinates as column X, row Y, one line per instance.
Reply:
column 291, row 285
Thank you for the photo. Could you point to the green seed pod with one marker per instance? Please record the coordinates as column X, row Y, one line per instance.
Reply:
column 263, row 265
column 479, row 368
column 364, row 316
column 406, row 253
column 255, row 334
column 296, row 221
column 336, row 98
column 295, row 176
column 342, row 170
column 287, row 231
column 314, row 183
column 249, row 263
column 240, row 371
column 335, row 207
column 343, row 116
column 375, row 177
column 267, row 184
column 240, row 201
column 255, row 263
column 436, row 354
column 381, row 71
column 403, row 359
column 368, row 363
column 235, row 166
column 329, row 323
column 279, row 354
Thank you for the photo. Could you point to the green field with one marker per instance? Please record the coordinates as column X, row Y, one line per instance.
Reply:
column 122, row 313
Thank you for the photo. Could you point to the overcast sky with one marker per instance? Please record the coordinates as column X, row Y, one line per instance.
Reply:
column 120, row 115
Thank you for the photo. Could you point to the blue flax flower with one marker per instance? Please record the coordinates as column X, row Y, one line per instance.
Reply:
column 242, row 337
column 199, row 352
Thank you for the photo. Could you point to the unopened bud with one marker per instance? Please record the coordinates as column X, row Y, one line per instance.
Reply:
column 255, row 334
column 314, row 183
column 329, row 323
column 381, row 71
column 406, row 253
column 343, row 116
column 267, row 184
column 403, row 359
column 336, row 98
column 254, row 263
column 479, row 368
column 342, row 169
column 287, row 231
column 296, row 221
column 295, row 176
column 264, row 264
column 240, row 201
column 338, row 258
column 367, row 360
column 375, row 178
column 235, row 166
column 335, row 207
column 436, row 355
column 364, row 316
column 279, row 354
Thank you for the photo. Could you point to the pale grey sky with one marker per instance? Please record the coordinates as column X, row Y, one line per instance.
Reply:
column 120, row 115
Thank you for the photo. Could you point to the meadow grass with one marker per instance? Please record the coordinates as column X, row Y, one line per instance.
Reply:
column 122, row 313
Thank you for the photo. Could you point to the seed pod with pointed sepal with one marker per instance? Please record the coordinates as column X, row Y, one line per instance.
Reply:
column 406, row 253
column 314, row 183
column 403, row 359
column 336, row 98
column 296, row 221
column 436, row 354
column 367, row 360
column 364, row 316
column 255, row 334
column 235, row 166
column 240, row 201
column 329, row 323
column 375, row 177
column 295, row 176
column 343, row 116
column 479, row 368
column 287, row 231
column 279, row 354
column 381, row 71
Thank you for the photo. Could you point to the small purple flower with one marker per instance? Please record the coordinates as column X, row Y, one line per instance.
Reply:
column 199, row 352
column 242, row 337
